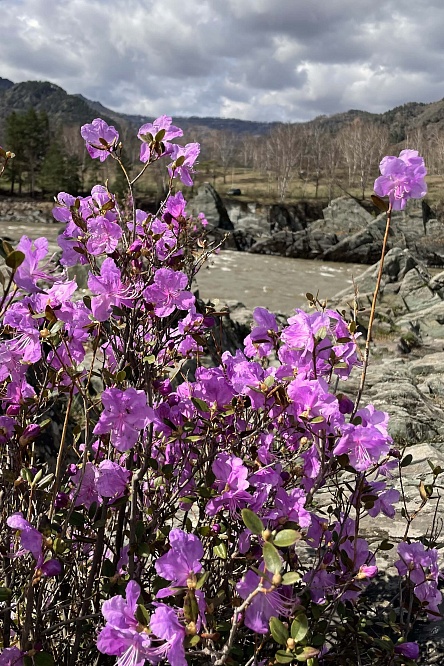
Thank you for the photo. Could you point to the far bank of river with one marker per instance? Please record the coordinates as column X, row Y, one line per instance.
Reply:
column 277, row 283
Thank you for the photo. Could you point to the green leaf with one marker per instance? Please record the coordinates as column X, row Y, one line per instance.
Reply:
column 142, row 615
column 307, row 653
column 283, row 657
column 202, row 580
column 76, row 519
column 5, row 593
column 290, row 578
column 380, row 203
column 201, row 404
column 143, row 550
column 193, row 640
column 279, row 631
column 14, row 259
column 386, row 545
column 6, row 248
column 220, row 551
column 286, row 538
column 108, row 569
column 252, row 521
column 405, row 462
column 272, row 558
column 44, row 659
column 299, row 627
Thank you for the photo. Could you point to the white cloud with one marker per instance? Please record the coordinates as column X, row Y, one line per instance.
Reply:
column 255, row 59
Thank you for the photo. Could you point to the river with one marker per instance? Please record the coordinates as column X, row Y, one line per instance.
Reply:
column 277, row 283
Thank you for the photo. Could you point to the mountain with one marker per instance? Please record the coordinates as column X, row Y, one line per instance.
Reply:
column 75, row 110
column 5, row 84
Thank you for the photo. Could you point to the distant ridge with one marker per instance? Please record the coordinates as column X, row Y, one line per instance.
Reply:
column 5, row 84
column 75, row 110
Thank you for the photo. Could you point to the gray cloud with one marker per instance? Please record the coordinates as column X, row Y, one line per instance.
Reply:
column 255, row 59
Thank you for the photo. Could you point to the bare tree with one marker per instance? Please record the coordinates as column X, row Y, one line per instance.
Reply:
column 362, row 144
column 225, row 149
column 285, row 145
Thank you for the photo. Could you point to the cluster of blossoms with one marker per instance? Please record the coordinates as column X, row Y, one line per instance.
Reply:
column 402, row 178
column 183, row 501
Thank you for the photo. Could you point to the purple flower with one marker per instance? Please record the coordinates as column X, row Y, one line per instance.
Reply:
column 175, row 205
column 421, row 567
column 6, row 428
column 101, row 139
column 181, row 561
column 409, row 650
column 124, row 416
column 290, row 506
column 87, row 493
column 231, row 481
column 401, row 178
column 183, row 160
column 112, row 479
column 165, row 625
column 168, row 292
column 386, row 500
column 28, row 273
column 12, row 656
column 104, row 236
column 109, row 290
column 30, row 538
column 260, row 340
column 363, row 445
column 32, row 541
column 367, row 571
column 122, row 635
column 265, row 604
column 149, row 133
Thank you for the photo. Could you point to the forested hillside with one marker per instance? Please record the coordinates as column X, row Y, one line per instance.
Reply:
column 40, row 122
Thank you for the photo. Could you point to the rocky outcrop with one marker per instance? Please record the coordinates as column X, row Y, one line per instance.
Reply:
column 208, row 201
column 405, row 376
column 346, row 232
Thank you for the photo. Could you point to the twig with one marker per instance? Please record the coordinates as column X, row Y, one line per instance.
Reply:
column 372, row 315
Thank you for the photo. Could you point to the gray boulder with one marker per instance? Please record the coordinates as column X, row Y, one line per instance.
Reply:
column 209, row 202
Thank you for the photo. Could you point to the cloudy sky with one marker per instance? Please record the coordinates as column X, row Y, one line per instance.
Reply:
column 268, row 60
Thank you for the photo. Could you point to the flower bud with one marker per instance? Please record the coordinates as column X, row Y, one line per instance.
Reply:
column 291, row 643
column 136, row 246
column 191, row 629
column 276, row 580
column 30, row 433
column 266, row 535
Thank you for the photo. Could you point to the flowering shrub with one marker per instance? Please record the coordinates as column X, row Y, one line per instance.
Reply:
column 196, row 513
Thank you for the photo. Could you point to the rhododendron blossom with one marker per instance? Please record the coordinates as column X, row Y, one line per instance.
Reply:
column 402, row 178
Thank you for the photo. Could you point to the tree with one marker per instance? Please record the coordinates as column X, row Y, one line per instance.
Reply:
column 59, row 171
column 225, row 148
column 28, row 135
column 363, row 143
column 285, row 147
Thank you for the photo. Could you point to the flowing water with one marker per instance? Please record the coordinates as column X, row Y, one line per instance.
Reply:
column 277, row 283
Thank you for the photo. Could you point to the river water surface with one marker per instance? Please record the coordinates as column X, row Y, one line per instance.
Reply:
column 277, row 283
